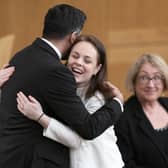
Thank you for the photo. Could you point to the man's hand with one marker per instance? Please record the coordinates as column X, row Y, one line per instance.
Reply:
column 113, row 91
column 29, row 106
column 5, row 73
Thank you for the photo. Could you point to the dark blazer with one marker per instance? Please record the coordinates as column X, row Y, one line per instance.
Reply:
column 137, row 139
column 40, row 74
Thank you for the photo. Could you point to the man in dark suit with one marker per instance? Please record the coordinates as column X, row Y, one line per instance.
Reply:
column 39, row 72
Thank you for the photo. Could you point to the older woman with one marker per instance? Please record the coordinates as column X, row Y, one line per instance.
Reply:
column 142, row 130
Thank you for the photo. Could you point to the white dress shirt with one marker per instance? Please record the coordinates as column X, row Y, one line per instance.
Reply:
column 53, row 46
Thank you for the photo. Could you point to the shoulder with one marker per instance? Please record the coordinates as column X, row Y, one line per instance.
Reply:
column 97, row 97
column 164, row 101
column 60, row 70
column 95, row 102
column 131, row 100
column 58, row 77
column 131, row 104
column 130, row 108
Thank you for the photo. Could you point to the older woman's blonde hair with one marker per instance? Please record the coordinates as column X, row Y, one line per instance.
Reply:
column 156, row 61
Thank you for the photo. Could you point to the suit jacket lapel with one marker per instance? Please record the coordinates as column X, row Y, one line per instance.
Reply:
column 148, row 129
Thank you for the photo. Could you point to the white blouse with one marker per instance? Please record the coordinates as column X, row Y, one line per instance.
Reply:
column 101, row 152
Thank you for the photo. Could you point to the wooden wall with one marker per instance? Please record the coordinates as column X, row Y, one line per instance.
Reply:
column 128, row 28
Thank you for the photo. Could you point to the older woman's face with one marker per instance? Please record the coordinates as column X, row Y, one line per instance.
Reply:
column 149, row 83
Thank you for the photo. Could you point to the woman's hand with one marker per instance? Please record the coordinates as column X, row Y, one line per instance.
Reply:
column 113, row 91
column 5, row 73
column 29, row 106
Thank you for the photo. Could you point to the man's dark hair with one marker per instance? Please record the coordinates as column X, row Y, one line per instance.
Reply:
column 62, row 20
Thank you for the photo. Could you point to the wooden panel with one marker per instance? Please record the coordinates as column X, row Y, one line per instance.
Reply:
column 129, row 54
column 125, row 46
column 143, row 36
column 136, row 13
column 117, row 75
column 127, row 28
column 6, row 46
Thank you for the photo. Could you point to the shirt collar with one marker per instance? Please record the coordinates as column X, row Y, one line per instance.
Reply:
column 54, row 47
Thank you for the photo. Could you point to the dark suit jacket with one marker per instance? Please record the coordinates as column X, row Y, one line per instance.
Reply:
column 40, row 74
column 137, row 139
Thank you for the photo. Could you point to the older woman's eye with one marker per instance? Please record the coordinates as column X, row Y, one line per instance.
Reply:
column 157, row 77
column 144, row 77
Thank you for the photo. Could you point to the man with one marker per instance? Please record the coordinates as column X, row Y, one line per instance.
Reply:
column 40, row 73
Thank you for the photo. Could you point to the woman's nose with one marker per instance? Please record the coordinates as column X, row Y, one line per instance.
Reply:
column 79, row 62
column 151, row 83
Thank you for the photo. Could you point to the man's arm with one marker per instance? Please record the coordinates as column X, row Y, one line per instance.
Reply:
column 53, row 129
column 60, row 94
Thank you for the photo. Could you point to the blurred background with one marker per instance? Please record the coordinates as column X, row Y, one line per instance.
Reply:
column 128, row 28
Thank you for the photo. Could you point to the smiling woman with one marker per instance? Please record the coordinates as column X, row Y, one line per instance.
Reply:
column 142, row 130
column 83, row 62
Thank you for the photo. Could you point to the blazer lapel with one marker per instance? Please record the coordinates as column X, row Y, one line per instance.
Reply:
column 148, row 130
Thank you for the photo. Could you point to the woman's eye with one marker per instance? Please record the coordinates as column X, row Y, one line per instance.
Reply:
column 75, row 56
column 88, row 61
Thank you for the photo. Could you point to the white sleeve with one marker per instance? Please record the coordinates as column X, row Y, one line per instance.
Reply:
column 62, row 134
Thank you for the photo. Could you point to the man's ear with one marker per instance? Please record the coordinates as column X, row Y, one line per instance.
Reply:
column 73, row 37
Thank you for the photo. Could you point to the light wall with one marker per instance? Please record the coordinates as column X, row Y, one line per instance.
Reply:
column 128, row 28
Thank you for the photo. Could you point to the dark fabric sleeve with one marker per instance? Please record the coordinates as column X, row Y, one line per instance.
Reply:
column 124, row 143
